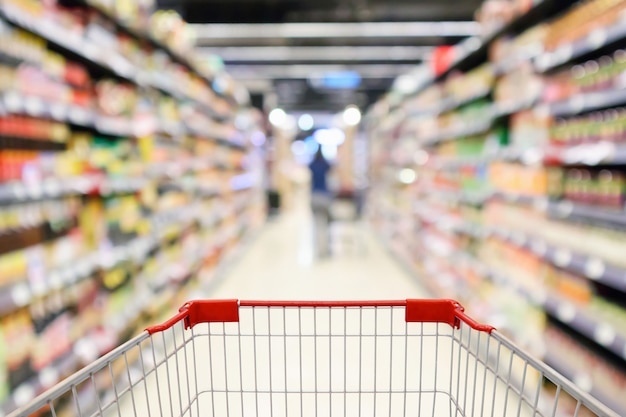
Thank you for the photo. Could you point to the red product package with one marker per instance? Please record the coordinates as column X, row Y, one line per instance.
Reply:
column 76, row 75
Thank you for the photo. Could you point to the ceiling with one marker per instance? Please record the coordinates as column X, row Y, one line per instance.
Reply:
column 323, row 55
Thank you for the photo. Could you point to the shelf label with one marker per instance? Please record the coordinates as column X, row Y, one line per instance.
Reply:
column 35, row 190
column 34, row 106
column 539, row 296
column 519, row 239
column 566, row 312
column 576, row 104
column 23, row 394
column 39, row 287
column 54, row 280
column 604, row 334
column 565, row 53
column 584, row 382
column 21, row 295
column 58, row 111
column 565, row 209
column 66, row 276
column 51, row 187
column 597, row 38
column 562, row 257
column 78, row 115
column 13, row 101
column 48, row 376
column 594, row 268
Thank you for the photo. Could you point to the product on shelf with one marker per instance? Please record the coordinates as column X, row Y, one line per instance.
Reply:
column 507, row 52
column 529, row 129
column 521, row 85
column 596, row 75
column 115, row 179
column 494, row 14
column 491, row 217
column 586, row 367
column 602, row 187
column 608, row 125
column 462, row 87
column 518, row 179
column 581, row 20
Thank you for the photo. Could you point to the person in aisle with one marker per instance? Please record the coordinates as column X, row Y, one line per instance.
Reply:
column 320, row 202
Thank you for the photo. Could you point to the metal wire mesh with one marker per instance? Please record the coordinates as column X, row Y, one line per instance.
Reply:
column 318, row 361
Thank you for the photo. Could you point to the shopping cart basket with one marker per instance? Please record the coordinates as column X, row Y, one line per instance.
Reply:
column 278, row 359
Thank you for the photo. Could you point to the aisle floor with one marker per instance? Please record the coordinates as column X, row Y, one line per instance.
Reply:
column 259, row 367
column 280, row 263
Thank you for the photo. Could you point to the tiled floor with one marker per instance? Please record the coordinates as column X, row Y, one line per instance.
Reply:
column 281, row 264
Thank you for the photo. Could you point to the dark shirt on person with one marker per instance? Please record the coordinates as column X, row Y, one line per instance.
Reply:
column 319, row 170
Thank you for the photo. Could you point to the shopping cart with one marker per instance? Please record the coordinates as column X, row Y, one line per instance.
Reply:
column 278, row 359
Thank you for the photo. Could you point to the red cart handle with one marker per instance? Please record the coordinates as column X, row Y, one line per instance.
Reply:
column 417, row 311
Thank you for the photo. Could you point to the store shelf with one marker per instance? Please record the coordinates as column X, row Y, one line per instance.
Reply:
column 593, row 214
column 470, row 129
column 98, row 184
column 565, row 209
column 18, row 103
column 599, row 38
column 47, row 378
column 138, row 34
column 474, row 51
column 588, row 266
column 553, row 360
column 504, row 109
column 145, row 36
column 475, row 198
column 19, row 192
column 587, row 102
column 591, row 154
column 603, row 334
column 92, row 54
column 448, row 105
column 20, row 294
column 68, row 42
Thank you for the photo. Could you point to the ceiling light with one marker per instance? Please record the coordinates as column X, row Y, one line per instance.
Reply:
column 333, row 136
column 352, row 116
column 306, row 122
column 278, row 117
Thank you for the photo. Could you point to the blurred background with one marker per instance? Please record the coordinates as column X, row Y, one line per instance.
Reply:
column 157, row 151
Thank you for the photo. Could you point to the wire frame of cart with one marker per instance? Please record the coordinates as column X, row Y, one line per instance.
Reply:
column 303, row 359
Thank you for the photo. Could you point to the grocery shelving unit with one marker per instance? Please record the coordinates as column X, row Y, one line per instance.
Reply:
column 126, row 180
column 512, row 199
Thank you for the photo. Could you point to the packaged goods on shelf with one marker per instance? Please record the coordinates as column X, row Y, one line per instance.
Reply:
column 507, row 52
column 518, row 179
column 583, row 366
column 494, row 14
column 529, row 129
column 582, row 20
column 116, row 176
column 608, row 125
column 475, row 83
column 519, row 194
column 521, row 85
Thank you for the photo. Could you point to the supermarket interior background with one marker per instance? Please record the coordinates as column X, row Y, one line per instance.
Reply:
column 152, row 152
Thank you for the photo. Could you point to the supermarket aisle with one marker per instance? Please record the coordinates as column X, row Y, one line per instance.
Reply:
column 279, row 264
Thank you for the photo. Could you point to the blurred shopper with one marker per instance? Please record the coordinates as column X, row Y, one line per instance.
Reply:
column 321, row 200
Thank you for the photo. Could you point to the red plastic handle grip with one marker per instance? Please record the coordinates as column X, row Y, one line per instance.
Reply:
column 420, row 311
column 441, row 311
